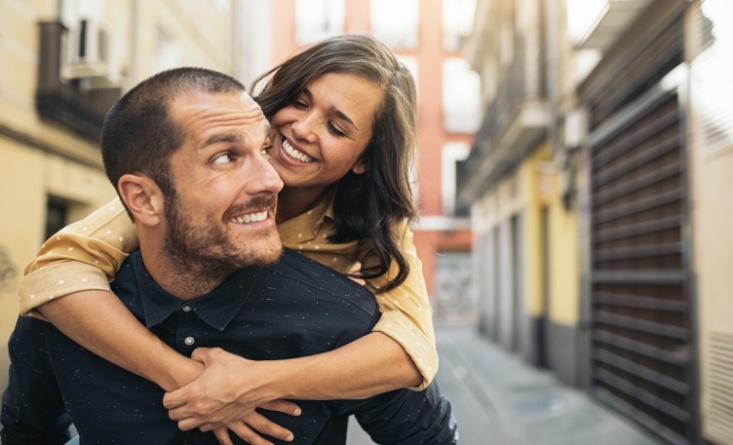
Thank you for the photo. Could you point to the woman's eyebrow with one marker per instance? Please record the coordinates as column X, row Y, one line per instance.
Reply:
column 333, row 110
column 343, row 117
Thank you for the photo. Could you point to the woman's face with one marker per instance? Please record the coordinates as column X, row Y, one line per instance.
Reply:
column 322, row 135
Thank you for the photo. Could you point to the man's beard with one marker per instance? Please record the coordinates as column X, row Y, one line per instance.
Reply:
column 206, row 250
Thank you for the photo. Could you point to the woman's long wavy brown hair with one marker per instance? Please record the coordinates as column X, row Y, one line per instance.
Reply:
column 369, row 205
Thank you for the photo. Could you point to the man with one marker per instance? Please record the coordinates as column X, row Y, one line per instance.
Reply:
column 203, row 198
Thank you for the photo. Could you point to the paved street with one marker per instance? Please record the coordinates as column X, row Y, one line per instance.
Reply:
column 500, row 400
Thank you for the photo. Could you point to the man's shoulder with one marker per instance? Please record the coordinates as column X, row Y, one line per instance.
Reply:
column 303, row 271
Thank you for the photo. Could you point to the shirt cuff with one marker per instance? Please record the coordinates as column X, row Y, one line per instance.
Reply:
column 55, row 281
column 418, row 346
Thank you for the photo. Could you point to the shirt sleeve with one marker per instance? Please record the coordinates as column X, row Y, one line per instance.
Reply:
column 404, row 417
column 407, row 316
column 82, row 256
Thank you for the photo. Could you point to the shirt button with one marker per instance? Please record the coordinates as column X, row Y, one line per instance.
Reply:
column 186, row 308
column 189, row 341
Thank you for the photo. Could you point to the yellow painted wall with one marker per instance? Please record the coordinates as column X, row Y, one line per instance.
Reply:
column 27, row 176
column 539, row 175
column 540, row 179
column 564, row 267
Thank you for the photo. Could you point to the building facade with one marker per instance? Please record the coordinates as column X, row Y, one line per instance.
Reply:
column 62, row 65
column 600, row 229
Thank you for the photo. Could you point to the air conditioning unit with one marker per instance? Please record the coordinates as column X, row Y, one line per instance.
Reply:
column 91, row 57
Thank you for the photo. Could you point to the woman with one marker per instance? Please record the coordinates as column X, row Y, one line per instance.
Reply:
column 343, row 114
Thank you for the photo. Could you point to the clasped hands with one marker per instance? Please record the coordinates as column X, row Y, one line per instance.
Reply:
column 224, row 397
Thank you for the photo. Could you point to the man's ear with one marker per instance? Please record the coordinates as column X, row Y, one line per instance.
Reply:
column 143, row 198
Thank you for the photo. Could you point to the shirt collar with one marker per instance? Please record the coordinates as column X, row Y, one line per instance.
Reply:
column 306, row 226
column 217, row 308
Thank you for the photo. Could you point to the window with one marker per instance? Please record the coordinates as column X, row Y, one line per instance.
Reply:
column 318, row 19
column 457, row 22
column 57, row 211
column 461, row 97
column 453, row 154
column 395, row 22
column 413, row 66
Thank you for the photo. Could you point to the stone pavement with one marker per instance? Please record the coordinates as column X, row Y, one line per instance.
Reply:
column 498, row 399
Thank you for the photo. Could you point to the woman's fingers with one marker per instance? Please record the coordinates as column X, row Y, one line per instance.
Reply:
column 282, row 406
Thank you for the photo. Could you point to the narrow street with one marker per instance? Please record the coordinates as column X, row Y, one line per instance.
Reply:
column 500, row 400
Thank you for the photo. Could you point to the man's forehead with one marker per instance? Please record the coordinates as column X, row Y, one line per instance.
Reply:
column 188, row 106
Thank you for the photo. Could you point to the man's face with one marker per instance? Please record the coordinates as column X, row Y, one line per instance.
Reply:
column 223, row 213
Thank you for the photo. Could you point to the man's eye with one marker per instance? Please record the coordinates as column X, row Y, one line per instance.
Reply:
column 223, row 159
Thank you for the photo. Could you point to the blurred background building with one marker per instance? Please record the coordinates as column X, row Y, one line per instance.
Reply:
column 602, row 241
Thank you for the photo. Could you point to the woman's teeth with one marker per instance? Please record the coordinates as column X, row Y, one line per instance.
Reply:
column 295, row 154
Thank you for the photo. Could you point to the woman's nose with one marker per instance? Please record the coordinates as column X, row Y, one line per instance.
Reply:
column 303, row 128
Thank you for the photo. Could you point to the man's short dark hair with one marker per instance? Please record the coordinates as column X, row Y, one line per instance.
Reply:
column 139, row 135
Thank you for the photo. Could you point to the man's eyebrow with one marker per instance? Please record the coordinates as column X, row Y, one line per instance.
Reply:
column 217, row 138
column 333, row 110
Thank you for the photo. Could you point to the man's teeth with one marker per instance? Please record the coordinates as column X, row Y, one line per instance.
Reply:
column 252, row 217
column 295, row 154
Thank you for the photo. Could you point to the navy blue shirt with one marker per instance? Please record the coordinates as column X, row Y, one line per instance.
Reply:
column 294, row 308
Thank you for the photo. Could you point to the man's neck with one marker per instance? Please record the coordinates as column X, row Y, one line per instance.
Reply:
column 181, row 278
column 186, row 282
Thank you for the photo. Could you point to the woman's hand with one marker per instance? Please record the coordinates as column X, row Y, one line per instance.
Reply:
column 226, row 393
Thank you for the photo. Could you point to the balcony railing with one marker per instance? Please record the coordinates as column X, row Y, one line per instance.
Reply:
column 68, row 102
column 518, row 89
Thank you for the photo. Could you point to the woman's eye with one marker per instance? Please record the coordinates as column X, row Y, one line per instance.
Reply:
column 266, row 150
column 336, row 131
column 223, row 159
column 299, row 104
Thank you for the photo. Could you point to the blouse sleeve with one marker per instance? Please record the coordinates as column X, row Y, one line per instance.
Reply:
column 82, row 256
column 407, row 316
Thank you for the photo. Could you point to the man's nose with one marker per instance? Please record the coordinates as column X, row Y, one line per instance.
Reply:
column 264, row 178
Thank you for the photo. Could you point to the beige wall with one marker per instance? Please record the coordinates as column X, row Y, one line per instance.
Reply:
column 711, row 220
column 38, row 158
